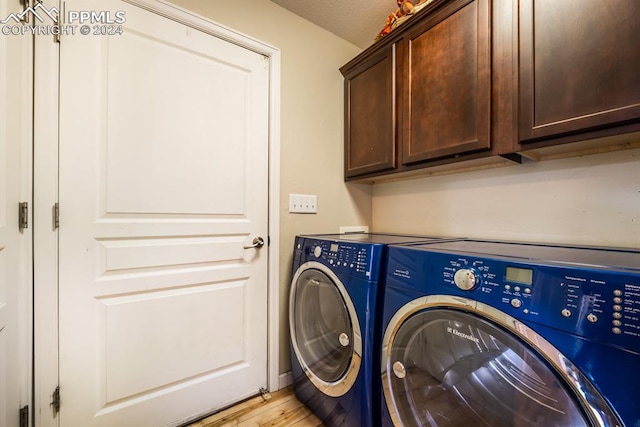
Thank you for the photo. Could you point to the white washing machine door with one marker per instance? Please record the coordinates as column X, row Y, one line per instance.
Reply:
column 325, row 332
column 455, row 362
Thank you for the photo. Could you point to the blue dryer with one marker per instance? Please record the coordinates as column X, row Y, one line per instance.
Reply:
column 335, row 324
column 481, row 333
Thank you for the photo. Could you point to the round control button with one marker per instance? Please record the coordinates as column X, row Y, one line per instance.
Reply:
column 617, row 323
column 525, row 311
column 617, row 316
column 617, row 293
column 317, row 251
column 617, row 308
column 617, row 300
column 517, row 289
column 465, row 279
column 507, row 287
column 527, row 290
column 592, row 318
column 616, row 330
column 516, row 303
column 566, row 313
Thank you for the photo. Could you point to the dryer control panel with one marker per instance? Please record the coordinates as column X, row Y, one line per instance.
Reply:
column 346, row 258
column 596, row 303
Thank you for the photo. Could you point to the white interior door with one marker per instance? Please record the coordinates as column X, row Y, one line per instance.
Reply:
column 163, row 180
column 15, row 245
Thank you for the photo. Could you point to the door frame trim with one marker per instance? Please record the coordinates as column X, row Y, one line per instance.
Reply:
column 46, row 77
column 45, row 240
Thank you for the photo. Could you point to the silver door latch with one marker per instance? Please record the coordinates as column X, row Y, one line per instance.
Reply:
column 257, row 243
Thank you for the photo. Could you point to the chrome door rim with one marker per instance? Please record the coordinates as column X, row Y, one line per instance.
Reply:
column 597, row 409
column 344, row 384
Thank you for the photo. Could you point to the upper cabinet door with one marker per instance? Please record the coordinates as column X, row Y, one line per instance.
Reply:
column 579, row 62
column 370, row 115
column 447, row 83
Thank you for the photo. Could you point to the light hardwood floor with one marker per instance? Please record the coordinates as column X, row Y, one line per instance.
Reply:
column 281, row 410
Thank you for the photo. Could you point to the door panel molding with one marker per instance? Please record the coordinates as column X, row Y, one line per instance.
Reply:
column 273, row 55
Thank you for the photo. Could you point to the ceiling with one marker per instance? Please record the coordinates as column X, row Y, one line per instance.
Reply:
column 357, row 21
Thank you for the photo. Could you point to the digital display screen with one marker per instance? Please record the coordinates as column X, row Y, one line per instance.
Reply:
column 520, row 275
column 334, row 247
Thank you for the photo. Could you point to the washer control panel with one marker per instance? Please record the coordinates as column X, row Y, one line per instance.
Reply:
column 349, row 258
column 597, row 303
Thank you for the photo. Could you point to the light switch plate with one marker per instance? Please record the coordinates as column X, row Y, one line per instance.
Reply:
column 303, row 203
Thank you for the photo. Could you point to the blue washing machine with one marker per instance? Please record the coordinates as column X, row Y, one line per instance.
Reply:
column 334, row 324
column 481, row 333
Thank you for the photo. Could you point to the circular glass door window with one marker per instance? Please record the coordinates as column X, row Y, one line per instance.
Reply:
column 322, row 328
column 450, row 368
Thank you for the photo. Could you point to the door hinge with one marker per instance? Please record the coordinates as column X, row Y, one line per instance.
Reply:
column 56, row 216
column 25, row 6
column 59, row 22
column 24, row 416
column 23, row 217
column 56, row 400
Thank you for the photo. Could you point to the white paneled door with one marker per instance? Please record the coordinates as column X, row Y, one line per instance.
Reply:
column 162, row 190
column 15, row 244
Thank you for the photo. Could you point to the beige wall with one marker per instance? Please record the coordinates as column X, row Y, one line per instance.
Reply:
column 584, row 200
column 311, row 125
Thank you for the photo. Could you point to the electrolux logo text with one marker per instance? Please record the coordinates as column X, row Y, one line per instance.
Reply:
column 463, row 335
column 47, row 21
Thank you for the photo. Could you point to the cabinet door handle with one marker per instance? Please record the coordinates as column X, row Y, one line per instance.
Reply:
column 257, row 243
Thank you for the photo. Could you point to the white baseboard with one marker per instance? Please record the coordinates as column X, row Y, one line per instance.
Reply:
column 286, row 380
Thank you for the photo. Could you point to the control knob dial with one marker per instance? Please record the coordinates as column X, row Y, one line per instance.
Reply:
column 317, row 251
column 465, row 279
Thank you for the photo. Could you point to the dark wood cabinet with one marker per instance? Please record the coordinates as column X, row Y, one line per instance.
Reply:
column 579, row 67
column 433, row 92
column 464, row 83
column 370, row 111
column 446, row 77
